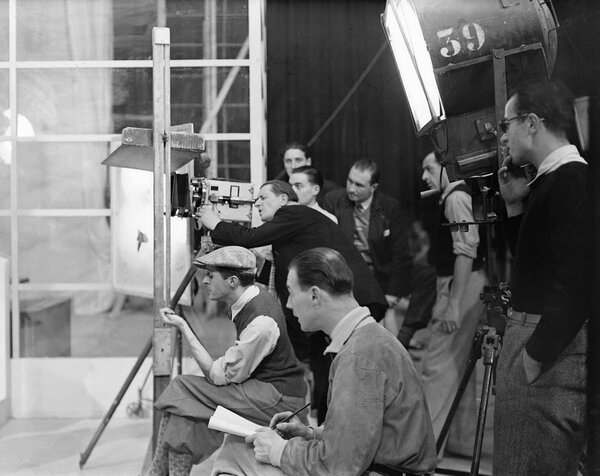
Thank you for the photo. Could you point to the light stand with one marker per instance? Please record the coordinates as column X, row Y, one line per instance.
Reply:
column 487, row 340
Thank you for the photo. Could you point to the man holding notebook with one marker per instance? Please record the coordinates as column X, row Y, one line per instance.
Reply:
column 257, row 377
column 378, row 422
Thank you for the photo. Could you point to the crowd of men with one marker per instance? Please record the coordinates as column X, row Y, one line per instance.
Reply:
column 342, row 259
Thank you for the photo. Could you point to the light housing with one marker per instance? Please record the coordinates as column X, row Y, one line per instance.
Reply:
column 404, row 34
column 458, row 59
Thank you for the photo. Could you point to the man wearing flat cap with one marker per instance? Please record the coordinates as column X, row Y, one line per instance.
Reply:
column 257, row 377
column 291, row 229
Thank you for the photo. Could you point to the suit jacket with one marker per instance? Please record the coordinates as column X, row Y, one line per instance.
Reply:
column 293, row 229
column 388, row 241
column 296, row 228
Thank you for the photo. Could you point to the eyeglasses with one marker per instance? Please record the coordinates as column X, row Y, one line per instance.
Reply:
column 503, row 124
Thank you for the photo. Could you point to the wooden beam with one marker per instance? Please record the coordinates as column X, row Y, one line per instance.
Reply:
column 162, row 340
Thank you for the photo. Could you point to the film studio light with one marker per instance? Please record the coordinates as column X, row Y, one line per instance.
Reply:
column 457, row 59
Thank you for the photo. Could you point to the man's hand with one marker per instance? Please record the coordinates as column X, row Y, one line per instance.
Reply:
column 265, row 440
column 392, row 300
column 209, row 218
column 513, row 187
column 169, row 317
column 291, row 428
column 533, row 368
column 449, row 320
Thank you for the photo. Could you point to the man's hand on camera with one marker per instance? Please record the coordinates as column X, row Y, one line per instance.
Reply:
column 513, row 187
column 209, row 218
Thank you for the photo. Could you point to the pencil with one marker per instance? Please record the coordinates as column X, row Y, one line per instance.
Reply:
column 287, row 418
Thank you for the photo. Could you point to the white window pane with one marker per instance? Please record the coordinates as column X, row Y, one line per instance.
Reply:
column 61, row 175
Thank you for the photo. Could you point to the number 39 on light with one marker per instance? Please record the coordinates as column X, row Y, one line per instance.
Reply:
column 471, row 36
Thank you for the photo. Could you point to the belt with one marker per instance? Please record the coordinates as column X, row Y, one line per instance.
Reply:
column 523, row 317
column 389, row 471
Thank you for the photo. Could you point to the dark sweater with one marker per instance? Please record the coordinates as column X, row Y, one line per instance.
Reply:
column 280, row 367
column 550, row 275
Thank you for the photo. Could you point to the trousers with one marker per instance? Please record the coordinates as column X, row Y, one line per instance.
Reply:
column 422, row 297
column 539, row 427
column 192, row 400
column 445, row 361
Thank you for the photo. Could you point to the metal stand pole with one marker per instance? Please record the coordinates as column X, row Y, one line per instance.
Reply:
column 474, row 356
column 486, row 342
column 491, row 342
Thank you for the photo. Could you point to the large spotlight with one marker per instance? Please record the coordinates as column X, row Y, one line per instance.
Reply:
column 457, row 59
column 406, row 39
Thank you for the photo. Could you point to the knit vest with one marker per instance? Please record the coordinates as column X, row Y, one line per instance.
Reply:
column 280, row 367
column 442, row 249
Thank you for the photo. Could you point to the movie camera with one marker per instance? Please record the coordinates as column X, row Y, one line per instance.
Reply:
column 231, row 199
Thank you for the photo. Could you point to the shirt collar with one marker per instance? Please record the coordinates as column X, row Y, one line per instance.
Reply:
column 356, row 318
column 248, row 294
column 451, row 186
column 366, row 204
column 561, row 156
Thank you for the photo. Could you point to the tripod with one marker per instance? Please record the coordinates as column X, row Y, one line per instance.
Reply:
column 487, row 340
column 136, row 367
column 486, row 344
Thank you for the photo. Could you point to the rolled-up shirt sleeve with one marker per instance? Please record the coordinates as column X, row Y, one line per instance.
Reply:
column 255, row 342
column 458, row 209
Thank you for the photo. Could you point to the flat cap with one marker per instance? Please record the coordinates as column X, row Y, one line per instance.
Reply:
column 235, row 257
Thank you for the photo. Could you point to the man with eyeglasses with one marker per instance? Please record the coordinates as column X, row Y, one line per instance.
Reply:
column 457, row 257
column 539, row 425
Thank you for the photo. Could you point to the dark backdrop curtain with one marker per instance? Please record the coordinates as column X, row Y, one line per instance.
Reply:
column 316, row 51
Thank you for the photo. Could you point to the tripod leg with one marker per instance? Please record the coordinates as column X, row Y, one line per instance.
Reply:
column 491, row 344
column 86, row 454
column 473, row 358
column 485, row 393
column 174, row 301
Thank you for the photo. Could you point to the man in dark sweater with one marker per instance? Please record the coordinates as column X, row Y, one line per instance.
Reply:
column 256, row 377
column 541, row 401
column 379, row 228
